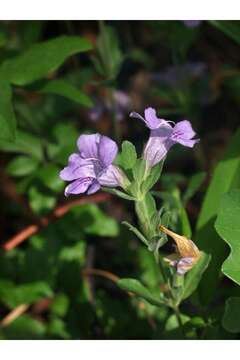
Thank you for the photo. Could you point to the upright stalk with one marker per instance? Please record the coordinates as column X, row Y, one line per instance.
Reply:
column 145, row 223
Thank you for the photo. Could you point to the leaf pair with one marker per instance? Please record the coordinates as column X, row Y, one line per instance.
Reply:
column 34, row 64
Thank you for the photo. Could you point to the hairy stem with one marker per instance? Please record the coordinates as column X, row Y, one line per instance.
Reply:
column 143, row 217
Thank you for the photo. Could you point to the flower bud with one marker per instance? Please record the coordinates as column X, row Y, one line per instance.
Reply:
column 187, row 254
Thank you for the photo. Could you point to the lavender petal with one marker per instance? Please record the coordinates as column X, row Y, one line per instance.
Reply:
column 107, row 150
column 88, row 146
column 78, row 186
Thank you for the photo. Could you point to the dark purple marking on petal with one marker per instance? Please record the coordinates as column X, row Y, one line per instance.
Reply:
column 79, row 186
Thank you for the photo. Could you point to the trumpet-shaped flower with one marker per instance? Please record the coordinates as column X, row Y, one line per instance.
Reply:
column 92, row 167
column 163, row 135
column 187, row 254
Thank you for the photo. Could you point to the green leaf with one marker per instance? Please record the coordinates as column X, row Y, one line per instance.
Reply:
column 13, row 295
column 109, row 54
column 173, row 323
column 231, row 317
column 75, row 252
column 128, row 155
column 118, row 193
column 139, row 170
column 194, row 184
column 152, row 178
column 133, row 189
column 134, row 286
column 25, row 328
column 184, row 222
column 136, row 232
column 24, row 143
column 63, row 88
column 193, row 277
column 150, row 205
column 41, row 202
column 7, row 116
column 49, row 175
column 22, row 165
column 145, row 210
column 230, row 28
column 60, row 305
column 42, row 58
column 95, row 221
column 57, row 328
column 228, row 227
column 207, row 238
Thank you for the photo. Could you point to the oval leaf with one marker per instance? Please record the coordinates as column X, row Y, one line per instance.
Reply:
column 134, row 286
column 228, row 227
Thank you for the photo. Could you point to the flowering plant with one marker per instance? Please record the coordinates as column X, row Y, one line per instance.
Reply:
column 98, row 164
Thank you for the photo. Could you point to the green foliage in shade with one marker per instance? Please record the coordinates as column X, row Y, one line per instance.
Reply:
column 134, row 286
column 34, row 64
column 24, row 143
column 13, row 295
column 230, row 28
column 206, row 237
column 7, row 116
column 172, row 328
column 109, row 56
column 194, row 184
column 95, row 221
column 60, row 305
column 57, row 329
column 24, row 328
column 63, row 88
column 185, row 225
column 41, row 202
column 22, row 165
column 42, row 58
column 231, row 317
column 227, row 226
column 194, row 276
column 49, row 175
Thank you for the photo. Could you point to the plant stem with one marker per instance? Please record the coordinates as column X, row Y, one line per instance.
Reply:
column 145, row 223
column 143, row 217
column 178, row 316
column 171, row 297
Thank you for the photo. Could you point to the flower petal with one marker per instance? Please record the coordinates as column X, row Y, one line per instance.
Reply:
column 107, row 150
column 184, row 265
column 94, row 187
column 188, row 143
column 111, row 177
column 77, row 168
column 183, row 134
column 88, row 146
column 78, row 186
column 184, row 130
column 151, row 119
column 158, row 145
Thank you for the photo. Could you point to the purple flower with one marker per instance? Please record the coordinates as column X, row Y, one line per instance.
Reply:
column 177, row 76
column 119, row 105
column 182, row 265
column 163, row 135
column 92, row 167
